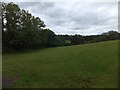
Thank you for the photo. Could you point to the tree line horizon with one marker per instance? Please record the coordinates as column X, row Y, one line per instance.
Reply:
column 21, row 30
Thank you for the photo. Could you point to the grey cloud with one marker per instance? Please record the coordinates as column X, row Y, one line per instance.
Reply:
column 75, row 17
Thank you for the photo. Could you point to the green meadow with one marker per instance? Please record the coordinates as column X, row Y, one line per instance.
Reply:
column 93, row 65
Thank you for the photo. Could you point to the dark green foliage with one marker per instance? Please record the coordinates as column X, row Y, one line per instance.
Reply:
column 67, row 42
column 77, row 39
column 21, row 30
column 111, row 35
column 50, row 38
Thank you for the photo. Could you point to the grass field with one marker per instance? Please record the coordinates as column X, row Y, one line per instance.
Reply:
column 92, row 65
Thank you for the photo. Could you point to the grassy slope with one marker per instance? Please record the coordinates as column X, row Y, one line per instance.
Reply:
column 90, row 65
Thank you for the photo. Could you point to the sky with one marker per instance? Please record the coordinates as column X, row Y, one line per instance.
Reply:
column 85, row 18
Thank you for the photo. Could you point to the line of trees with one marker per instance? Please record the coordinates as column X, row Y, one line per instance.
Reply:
column 21, row 30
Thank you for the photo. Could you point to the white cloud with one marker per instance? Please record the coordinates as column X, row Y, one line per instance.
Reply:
column 84, row 18
column 59, row 0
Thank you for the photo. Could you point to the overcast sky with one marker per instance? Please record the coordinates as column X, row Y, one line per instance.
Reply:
column 85, row 18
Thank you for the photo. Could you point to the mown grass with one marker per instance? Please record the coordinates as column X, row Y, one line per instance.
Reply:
column 82, row 66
